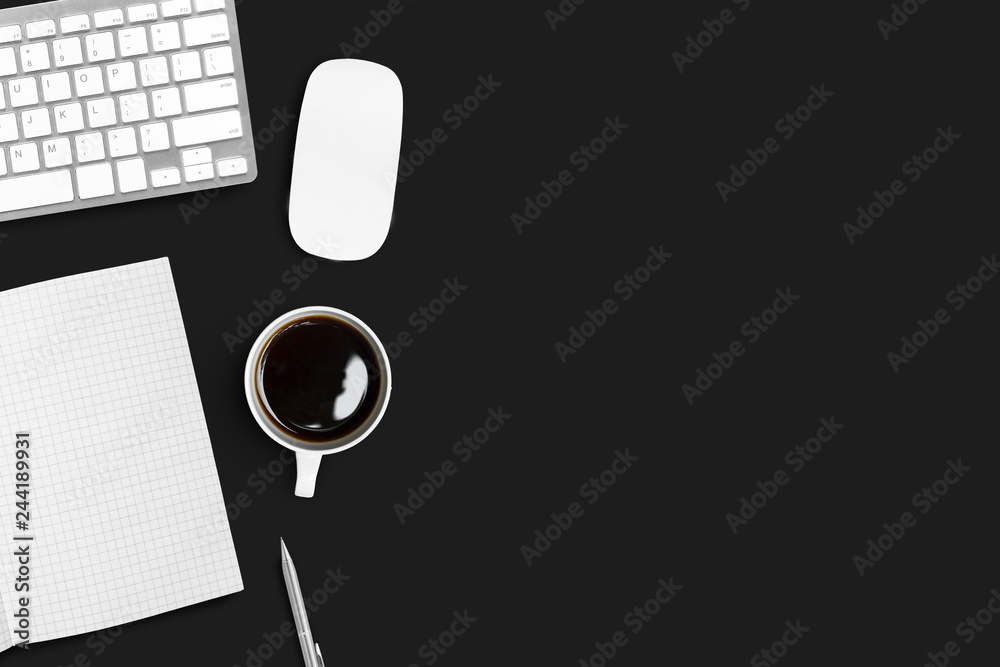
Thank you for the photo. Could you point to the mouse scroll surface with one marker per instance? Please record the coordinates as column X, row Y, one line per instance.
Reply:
column 346, row 159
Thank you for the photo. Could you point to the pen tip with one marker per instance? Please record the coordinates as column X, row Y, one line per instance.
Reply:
column 284, row 550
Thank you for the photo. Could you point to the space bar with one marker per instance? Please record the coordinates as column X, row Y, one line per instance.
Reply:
column 52, row 187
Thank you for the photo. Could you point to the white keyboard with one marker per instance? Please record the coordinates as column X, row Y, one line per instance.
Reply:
column 103, row 102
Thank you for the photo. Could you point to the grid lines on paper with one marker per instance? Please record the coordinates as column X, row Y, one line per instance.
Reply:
column 126, row 508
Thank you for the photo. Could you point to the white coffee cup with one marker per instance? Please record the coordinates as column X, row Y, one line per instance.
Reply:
column 308, row 455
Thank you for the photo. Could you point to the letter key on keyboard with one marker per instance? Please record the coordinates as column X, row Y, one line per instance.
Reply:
column 105, row 101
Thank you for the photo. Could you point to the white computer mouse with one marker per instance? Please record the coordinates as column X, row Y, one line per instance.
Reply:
column 346, row 159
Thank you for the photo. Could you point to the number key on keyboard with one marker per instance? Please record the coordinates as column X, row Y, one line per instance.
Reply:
column 67, row 52
column 100, row 46
column 103, row 102
column 8, row 64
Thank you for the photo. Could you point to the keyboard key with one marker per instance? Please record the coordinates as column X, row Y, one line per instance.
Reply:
column 8, row 128
column 89, row 147
column 109, row 18
column 23, row 158
column 3, row 164
column 40, row 29
column 209, row 5
column 131, row 175
column 57, row 153
column 161, row 178
column 67, row 52
column 211, row 95
column 166, row 36
column 10, row 33
column 233, row 166
column 100, row 46
column 166, row 102
column 198, row 172
column 69, row 118
column 3, row 100
column 35, row 57
column 219, row 61
column 55, row 87
column 207, row 128
column 187, row 66
column 206, row 30
column 101, row 112
column 8, row 65
column 95, row 181
column 77, row 23
column 36, row 123
column 50, row 187
column 175, row 8
column 121, row 142
column 154, row 71
column 142, row 13
column 88, row 81
column 196, row 156
column 132, row 42
column 121, row 76
column 133, row 107
column 154, row 137
column 23, row 92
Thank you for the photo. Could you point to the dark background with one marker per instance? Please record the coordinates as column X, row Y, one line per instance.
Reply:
column 666, row 516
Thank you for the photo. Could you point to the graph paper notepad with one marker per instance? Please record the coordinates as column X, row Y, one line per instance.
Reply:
column 125, row 514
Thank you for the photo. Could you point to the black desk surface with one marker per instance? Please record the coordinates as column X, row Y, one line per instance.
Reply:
column 495, row 347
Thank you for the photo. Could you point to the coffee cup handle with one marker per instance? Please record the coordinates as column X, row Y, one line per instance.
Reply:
column 307, row 467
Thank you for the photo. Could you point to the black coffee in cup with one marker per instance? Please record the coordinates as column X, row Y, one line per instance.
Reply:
column 318, row 379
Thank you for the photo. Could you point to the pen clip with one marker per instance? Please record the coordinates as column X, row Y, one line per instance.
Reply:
column 319, row 657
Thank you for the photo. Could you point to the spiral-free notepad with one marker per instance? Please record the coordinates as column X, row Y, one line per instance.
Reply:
column 101, row 424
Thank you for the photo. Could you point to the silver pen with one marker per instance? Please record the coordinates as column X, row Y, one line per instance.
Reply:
column 310, row 649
